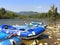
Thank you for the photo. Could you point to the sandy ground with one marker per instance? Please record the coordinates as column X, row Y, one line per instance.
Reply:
column 51, row 36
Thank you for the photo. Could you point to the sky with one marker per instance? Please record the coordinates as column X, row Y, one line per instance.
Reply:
column 29, row 5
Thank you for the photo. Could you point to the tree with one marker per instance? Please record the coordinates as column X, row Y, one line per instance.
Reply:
column 2, row 11
column 52, row 13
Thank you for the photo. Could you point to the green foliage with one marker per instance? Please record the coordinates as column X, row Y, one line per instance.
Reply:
column 10, row 15
column 2, row 11
column 51, row 14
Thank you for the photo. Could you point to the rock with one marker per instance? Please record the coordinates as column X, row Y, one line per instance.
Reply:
column 41, row 44
column 35, row 42
column 58, row 39
column 50, row 37
column 45, row 43
column 55, row 42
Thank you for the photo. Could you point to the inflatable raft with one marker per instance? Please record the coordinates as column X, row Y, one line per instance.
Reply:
column 25, row 33
column 28, row 25
column 31, row 33
column 4, row 40
column 5, row 26
column 34, row 24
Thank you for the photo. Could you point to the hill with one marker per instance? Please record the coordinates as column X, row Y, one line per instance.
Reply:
column 27, row 13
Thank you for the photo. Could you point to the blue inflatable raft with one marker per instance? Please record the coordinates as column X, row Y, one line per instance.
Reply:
column 31, row 33
column 4, row 40
column 25, row 33
column 34, row 24
column 5, row 26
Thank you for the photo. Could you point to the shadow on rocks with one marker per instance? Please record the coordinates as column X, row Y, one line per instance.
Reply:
column 42, row 36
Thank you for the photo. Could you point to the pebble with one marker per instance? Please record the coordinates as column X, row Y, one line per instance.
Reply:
column 58, row 35
column 58, row 39
column 34, row 42
column 41, row 44
column 50, row 27
column 46, row 43
column 55, row 42
column 50, row 37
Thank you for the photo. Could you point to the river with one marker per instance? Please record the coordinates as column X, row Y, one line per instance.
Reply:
column 20, row 22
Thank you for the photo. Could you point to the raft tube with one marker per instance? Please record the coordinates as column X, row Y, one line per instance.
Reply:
column 31, row 33
column 4, row 40
column 5, row 26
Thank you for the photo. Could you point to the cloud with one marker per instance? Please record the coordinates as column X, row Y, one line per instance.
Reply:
column 38, row 7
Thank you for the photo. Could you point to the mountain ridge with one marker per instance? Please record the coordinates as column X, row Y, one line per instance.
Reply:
column 27, row 13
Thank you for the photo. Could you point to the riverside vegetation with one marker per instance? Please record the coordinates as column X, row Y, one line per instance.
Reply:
column 51, row 14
